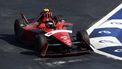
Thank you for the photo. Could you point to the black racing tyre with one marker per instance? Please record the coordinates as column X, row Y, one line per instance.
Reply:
column 83, row 37
column 18, row 30
column 41, row 45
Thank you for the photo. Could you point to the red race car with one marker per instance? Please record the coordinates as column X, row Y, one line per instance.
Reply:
column 51, row 32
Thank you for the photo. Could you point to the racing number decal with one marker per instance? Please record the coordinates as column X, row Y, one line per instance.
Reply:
column 66, row 40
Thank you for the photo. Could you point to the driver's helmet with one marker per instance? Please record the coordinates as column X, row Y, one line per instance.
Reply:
column 47, row 13
column 50, row 24
column 46, row 10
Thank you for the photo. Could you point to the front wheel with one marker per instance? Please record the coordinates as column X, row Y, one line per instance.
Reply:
column 41, row 45
column 83, row 37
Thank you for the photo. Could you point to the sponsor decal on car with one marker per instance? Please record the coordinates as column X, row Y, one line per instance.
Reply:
column 57, row 31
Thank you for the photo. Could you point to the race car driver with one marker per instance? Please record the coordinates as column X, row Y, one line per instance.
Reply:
column 45, row 14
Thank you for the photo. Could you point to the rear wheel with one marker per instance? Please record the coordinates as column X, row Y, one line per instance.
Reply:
column 18, row 29
column 41, row 45
column 83, row 37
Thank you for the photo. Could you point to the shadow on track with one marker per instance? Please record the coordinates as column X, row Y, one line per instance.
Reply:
column 10, row 38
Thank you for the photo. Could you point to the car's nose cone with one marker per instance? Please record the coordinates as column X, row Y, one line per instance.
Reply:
column 64, row 37
column 66, row 40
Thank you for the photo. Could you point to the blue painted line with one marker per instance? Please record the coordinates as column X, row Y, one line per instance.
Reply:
column 101, row 32
column 116, row 50
column 117, row 15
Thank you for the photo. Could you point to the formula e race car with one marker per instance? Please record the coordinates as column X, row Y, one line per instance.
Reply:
column 51, row 35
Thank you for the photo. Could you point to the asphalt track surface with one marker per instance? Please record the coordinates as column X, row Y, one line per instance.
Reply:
column 14, row 55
